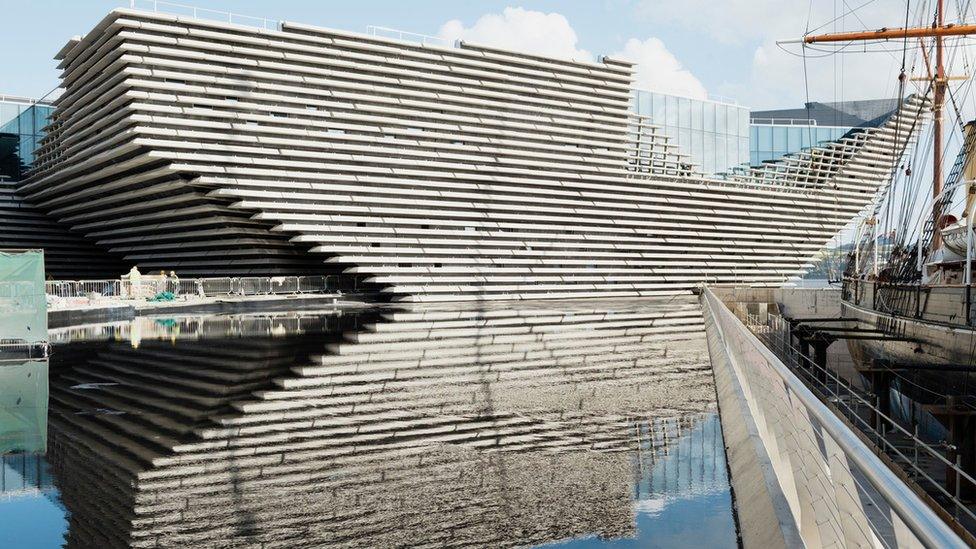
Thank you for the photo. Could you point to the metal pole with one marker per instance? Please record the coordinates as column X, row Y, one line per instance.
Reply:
column 875, row 270
column 938, row 100
column 969, row 247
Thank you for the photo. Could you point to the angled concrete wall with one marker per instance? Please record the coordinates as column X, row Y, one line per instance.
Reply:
column 438, row 173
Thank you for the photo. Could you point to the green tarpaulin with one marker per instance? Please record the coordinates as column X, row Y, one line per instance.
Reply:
column 23, row 306
column 23, row 406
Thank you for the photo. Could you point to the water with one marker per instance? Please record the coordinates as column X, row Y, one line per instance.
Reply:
column 578, row 426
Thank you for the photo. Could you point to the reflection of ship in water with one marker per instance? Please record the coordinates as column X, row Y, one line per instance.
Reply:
column 447, row 427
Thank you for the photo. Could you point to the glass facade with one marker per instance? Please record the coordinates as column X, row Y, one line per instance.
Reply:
column 713, row 133
column 22, row 125
column 772, row 141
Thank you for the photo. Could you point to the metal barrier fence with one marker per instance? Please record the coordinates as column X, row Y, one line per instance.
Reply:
column 150, row 286
column 839, row 492
column 914, row 454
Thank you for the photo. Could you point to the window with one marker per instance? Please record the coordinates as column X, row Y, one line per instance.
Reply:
column 709, row 117
column 684, row 112
column 671, row 110
column 765, row 138
column 644, row 103
column 696, row 115
column 779, row 139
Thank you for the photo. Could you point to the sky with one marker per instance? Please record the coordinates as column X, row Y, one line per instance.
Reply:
column 688, row 47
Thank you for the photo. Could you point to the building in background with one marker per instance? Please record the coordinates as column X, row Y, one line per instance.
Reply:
column 713, row 133
column 22, row 122
column 776, row 133
column 23, row 226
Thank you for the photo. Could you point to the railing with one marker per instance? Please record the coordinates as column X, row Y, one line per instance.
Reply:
column 723, row 99
column 784, row 121
column 854, row 403
column 839, row 491
column 397, row 34
column 151, row 286
column 205, row 13
column 24, row 100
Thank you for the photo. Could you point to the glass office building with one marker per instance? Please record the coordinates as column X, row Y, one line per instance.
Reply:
column 22, row 123
column 776, row 133
column 769, row 141
column 714, row 133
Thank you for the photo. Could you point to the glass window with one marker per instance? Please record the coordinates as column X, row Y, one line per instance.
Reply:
column 657, row 104
column 708, row 117
column 708, row 153
column 11, row 127
column 671, row 108
column 721, row 119
column 696, row 146
column 8, row 112
column 644, row 103
column 696, row 115
column 779, row 139
column 684, row 112
column 733, row 120
column 743, row 122
column 765, row 139
column 805, row 132
column 721, row 158
column 684, row 140
column 27, row 122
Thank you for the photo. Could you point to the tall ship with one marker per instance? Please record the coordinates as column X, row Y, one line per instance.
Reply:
column 907, row 286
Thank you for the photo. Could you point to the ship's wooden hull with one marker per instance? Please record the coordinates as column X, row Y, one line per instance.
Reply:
column 938, row 356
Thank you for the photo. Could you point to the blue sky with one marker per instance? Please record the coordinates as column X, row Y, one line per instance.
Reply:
column 688, row 46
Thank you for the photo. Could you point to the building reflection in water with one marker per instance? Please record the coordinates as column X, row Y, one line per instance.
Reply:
column 386, row 428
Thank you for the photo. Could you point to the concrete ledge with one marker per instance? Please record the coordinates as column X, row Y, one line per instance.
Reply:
column 64, row 318
column 763, row 512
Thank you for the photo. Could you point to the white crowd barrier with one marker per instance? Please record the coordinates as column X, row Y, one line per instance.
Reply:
column 149, row 286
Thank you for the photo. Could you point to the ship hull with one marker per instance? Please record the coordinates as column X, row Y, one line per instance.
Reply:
column 936, row 356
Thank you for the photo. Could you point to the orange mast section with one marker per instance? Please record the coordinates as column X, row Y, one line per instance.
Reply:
column 892, row 34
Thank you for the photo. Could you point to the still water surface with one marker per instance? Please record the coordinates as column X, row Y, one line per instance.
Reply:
column 579, row 426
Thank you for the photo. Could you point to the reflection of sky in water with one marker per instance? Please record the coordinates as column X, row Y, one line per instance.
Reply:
column 493, row 426
column 682, row 499
column 31, row 514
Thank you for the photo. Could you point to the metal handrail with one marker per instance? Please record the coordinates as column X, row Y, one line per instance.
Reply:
column 18, row 99
column 787, row 122
column 920, row 519
column 195, row 12
column 930, row 450
column 387, row 32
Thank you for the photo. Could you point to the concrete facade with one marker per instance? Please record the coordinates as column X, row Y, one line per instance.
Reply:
column 436, row 173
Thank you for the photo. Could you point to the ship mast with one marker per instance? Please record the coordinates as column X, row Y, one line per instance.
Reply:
column 938, row 31
column 937, row 102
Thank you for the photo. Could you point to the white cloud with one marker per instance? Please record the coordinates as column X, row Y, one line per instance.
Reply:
column 551, row 34
column 522, row 30
column 773, row 77
column 659, row 70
